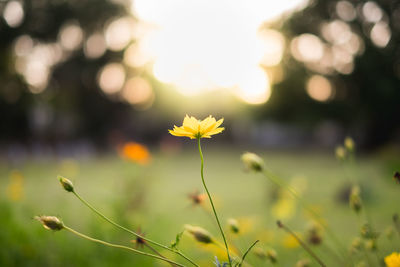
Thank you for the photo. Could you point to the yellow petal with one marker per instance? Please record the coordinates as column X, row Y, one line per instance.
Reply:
column 216, row 131
column 207, row 124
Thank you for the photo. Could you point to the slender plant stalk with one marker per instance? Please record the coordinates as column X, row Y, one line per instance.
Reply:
column 304, row 245
column 247, row 251
column 122, row 247
column 211, row 201
column 132, row 232
column 281, row 183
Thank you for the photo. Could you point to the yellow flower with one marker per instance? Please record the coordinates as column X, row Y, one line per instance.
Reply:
column 393, row 260
column 195, row 129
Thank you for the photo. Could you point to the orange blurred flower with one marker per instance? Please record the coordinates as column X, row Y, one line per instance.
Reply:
column 135, row 152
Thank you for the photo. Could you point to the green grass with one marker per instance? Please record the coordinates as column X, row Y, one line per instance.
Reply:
column 154, row 198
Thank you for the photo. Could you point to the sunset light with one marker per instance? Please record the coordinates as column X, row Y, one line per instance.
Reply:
column 197, row 48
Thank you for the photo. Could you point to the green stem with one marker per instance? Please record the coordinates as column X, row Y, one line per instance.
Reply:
column 212, row 204
column 304, row 245
column 247, row 251
column 122, row 247
column 281, row 183
column 130, row 231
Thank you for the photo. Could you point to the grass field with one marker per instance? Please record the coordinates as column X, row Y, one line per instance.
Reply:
column 154, row 199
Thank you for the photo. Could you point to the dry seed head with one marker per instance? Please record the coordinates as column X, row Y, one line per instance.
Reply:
column 303, row 263
column 252, row 162
column 314, row 235
column 66, row 184
column 200, row 234
column 272, row 255
column 260, row 253
column 396, row 177
column 50, row 222
column 233, row 225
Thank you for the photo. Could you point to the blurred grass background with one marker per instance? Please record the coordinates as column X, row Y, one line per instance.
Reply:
column 154, row 199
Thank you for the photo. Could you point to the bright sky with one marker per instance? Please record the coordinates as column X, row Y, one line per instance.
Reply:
column 207, row 45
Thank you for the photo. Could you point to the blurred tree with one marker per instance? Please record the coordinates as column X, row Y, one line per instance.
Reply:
column 342, row 65
column 355, row 46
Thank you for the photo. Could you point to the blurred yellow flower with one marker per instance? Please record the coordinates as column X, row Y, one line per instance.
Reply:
column 393, row 260
column 135, row 152
column 15, row 189
column 290, row 242
column 194, row 129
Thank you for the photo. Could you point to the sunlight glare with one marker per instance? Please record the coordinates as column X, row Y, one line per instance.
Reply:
column 196, row 48
column 254, row 88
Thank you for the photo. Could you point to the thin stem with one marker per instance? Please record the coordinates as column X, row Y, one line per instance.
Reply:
column 304, row 245
column 281, row 183
column 132, row 232
column 247, row 251
column 121, row 246
column 212, row 204
column 156, row 252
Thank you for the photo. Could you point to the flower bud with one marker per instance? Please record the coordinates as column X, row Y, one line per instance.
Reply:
column 355, row 199
column 303, row 263
column 260, row 253
column 50, row 222
column 200, row 234
column 396, row 177
column 271, row 255
column 356, row 245
column 349, row 144
column 252, row 162
column 66, row 184
column 370, row 245
column 367, row 232
column 340, row 153
column 314, row 235
column 233, row 225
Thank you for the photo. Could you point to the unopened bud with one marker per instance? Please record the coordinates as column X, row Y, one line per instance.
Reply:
column 396, row 177
column 200, row 234
column 303, row 263
column 272, row 256
column 349, row 144
column 233, row 225
column 50, row 222
column 355, row 199
column 370, row 245
column 356, row 245
column 340, row 153
column 252, row 162
column 66, row 183
column 367, row 232
column 260, row 253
